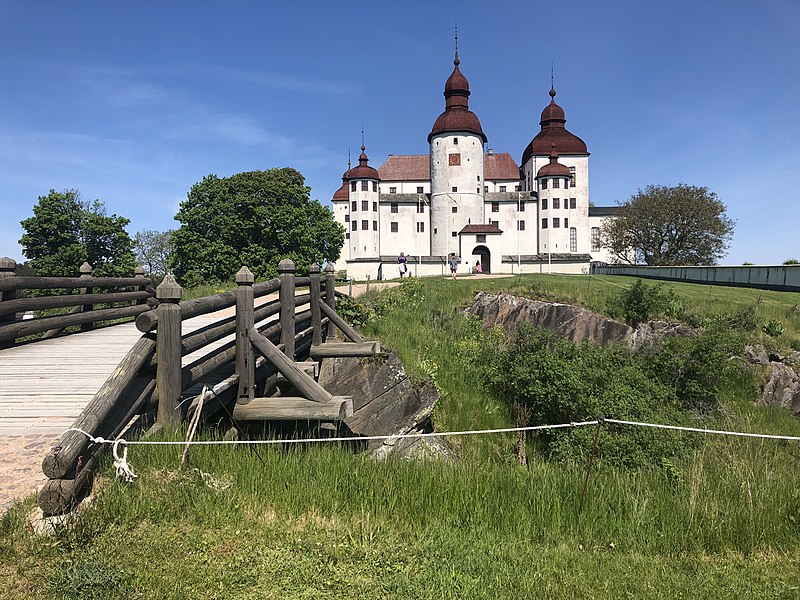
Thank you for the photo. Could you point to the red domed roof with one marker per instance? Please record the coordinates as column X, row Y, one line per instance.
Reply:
column 456, row 115
column 343, row 193
column 554, row 168
column 363, row 170
column 554, row 130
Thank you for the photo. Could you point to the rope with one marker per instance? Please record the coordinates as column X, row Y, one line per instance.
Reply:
column 700, row 430
column 121, row 466
column 100, row 440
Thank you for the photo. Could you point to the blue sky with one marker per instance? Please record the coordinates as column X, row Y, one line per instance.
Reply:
column 133, row 103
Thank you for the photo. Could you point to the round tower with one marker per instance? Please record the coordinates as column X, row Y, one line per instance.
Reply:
column 341, row 213
column 456, row 154
column 554, row 208
column 364, row 219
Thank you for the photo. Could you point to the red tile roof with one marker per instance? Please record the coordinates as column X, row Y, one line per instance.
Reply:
column 417, row 167
column 412, row 167
column 554, row 130
column 500, row 166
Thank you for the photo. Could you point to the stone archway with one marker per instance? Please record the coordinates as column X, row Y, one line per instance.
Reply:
column 482, row 254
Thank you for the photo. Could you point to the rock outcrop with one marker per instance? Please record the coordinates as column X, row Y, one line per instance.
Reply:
column 385, row 402
column 781, row 385
column 569, row 322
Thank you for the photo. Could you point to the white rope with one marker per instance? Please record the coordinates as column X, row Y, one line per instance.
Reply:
column 711, row 431
column 121, row 466
column 100, row 440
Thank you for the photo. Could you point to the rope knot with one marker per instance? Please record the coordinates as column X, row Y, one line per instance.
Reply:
column 121, row 466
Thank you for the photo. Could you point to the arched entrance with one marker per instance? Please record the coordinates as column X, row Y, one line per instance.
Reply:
column 482, row 254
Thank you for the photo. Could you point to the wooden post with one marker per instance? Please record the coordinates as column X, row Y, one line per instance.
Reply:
column 316, row 312
column 86, row 273
column 330, row 296
column 139, row 272
column 8, row 267
column 367, row 291
column 286, row 277
column 245, row 357
column 168, row 351
column 350, row 287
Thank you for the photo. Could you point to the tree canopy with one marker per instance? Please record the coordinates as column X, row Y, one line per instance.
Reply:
column 669, row 225
column 153, row 251
column 64, row 232
column 256, row 219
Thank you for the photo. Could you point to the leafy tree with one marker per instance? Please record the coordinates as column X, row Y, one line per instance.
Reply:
column 64, row 232
column 663, row 225
column 256, row 219
column 791, row 261
column 153, row 251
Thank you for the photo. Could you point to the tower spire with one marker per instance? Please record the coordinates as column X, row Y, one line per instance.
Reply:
column 456, row 62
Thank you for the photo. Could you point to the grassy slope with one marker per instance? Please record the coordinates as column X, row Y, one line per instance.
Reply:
column 327, row 524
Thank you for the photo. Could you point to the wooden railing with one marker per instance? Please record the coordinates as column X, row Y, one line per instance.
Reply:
column 134, row 293
column 268, row 355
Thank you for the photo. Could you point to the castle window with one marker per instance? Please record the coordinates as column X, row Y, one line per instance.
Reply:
column 544, row 223
column 392, row 190
column 374, row 186
column 347, row 218
column 421, row 227
column 479, row 177
column 365, row 205
column 495, row 224
column 572, row 177
column 393, row 227
column 347, row 235
column 544, row 184
column 517, row 188
column 352, row 186
column 365, row 186
column 455, row 141
column 502, row 188
column 495, row 207
column 354, row 225
column 556, row 222
column 375, row 206
column 566, row 222
column 393, row 207
column 544, row 203
column 521, row 206
column 571, row 202
column 364, row 225
column 420, row 208
column 573, row 239
column 455, row 189
column 520, row 225
column 556, row 203
column 374, row 226
column 419, row 189
column 453, row 234
column 480, row 238
column 556, row 183
column 454, row 209
column 454, row 160
column 353, row 206
column 485, row 188
column 595, row 239
column 477, row 190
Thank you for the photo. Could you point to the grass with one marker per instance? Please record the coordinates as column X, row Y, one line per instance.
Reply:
column 721, row 522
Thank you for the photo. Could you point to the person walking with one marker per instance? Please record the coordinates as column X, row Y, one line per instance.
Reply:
column 453, row 265
column 402, row 267
column 478, row 268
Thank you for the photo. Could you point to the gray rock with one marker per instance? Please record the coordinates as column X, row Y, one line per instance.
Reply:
column 781, row 388
column 756, row 355
column 385, row 402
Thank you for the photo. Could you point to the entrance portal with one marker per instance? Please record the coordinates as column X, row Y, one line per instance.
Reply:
column 482, row 254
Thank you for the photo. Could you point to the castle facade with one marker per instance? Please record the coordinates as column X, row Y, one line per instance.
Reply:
column 463, row 199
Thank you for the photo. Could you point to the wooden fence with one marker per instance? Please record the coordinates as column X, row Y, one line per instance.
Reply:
column 263, row 374
column 97, row 299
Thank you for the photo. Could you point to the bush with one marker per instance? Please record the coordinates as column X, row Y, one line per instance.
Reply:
column 642, row 302
column 560, row 382
column 773, row 328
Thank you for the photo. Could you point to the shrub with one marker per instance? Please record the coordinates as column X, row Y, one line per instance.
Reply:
column 642, row 302
column 773, row 328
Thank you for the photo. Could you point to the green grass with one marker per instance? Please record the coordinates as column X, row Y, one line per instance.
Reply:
column 721, row 522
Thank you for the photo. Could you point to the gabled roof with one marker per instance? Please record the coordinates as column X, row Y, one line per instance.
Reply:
column 500, row 166
column 411, row 167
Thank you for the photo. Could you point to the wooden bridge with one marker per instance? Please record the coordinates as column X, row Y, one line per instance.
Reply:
column 255, row 347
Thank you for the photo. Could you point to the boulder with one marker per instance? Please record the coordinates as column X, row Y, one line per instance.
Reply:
column 756, row 355
column 781, row 388
column 385, row 402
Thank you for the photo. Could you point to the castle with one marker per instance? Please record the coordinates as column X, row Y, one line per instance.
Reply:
column 464, row 199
